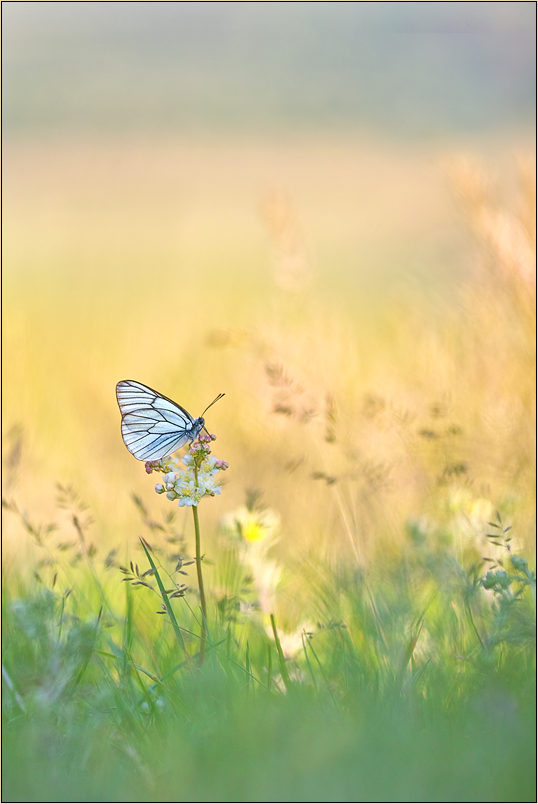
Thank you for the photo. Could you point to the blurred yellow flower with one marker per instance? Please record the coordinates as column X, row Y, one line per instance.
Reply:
column 254, row 531
column 251, row 526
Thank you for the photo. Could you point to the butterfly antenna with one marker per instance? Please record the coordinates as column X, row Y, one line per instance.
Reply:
column 215, row 400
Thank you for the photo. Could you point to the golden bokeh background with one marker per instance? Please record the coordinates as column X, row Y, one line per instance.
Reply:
column 362, row 291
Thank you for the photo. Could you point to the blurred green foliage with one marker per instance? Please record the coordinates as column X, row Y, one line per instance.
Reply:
column 417, row 683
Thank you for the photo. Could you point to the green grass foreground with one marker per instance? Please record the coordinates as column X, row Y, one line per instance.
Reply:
column 416, row 683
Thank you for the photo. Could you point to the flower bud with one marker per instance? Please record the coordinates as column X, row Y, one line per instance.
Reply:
column 503, row 579
column 518, row 563
column 489, row 581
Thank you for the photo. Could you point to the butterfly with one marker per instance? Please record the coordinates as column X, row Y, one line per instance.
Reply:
column 153, row 426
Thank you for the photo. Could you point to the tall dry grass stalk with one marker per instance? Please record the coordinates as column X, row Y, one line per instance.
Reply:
column 372, row 435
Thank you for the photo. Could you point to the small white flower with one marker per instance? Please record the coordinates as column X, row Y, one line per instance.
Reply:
column 208, row 466
column 159, row 488
column 186, row 501
column 211, row 485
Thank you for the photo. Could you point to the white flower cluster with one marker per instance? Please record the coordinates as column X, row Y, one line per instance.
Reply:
column 197, row 480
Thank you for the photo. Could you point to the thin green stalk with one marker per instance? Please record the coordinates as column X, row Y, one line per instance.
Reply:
column 200, row 584
column 309, row 664
column 282, row 661
column 165, row 598
column 477, row 632
column 325, row 679
column 247, row 663
column 269, row 667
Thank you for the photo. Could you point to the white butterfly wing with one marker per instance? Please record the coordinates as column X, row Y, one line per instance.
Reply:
column 152, row 425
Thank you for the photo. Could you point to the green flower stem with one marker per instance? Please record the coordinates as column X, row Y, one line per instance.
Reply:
column 200, row 578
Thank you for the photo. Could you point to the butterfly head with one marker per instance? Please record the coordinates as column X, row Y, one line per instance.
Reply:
column 196, row 428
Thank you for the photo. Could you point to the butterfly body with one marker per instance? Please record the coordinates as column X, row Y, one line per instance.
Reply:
column 152, row 425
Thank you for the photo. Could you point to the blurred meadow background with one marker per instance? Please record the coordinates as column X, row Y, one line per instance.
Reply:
column 326, row 211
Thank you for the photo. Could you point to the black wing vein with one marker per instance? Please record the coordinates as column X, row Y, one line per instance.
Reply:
column 153, row 426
